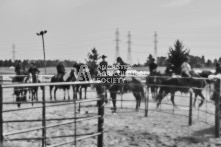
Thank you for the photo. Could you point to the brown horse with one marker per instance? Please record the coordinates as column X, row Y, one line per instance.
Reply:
column 68, row 77
column 123, row 85
column 153, row 82
column 172, row 85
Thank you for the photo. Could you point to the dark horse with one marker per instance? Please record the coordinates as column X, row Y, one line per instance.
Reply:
column 20, row 92
column 123, row 85
column 153, row 81
column 68, row 77
column 172, row 85
column 33, row 91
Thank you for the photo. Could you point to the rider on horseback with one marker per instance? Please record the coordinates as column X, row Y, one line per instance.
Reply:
column 152, row 66
column 60, row 70
column 33, row 70
column 19, row 70
column 186, row 70
column 122, row 66
column 103, row 66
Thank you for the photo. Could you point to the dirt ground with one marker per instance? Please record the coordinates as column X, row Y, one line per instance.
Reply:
column 126, row 128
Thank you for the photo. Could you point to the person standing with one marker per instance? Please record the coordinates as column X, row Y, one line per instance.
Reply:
column 33, row 70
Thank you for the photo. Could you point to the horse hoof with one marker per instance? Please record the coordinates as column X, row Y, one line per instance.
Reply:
column 114, row 111
column 200, row 105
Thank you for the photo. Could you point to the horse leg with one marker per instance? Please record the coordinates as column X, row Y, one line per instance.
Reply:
column 36, row 93
column 80, row 92
column 68, row 92
column 18, row 98
column 172, row 99
column 74, row 92
column 55, row 90
column 203, row 98
column 160, row 97
column 85, row 92
column 152, row 89
column 137, row 103
column 113, row 95
column 194, row 102
column 51, row 87
column 64, row 92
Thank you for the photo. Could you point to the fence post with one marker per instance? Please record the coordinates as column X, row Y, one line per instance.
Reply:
column 146, row 100
column 1, row 116
column 190, row 108
column 121, row 95
column 43, row 119
column 75, row 121
column 217, row 109
column 100, row 121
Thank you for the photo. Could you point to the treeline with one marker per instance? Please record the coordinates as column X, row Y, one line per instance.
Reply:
column 39, row 63
column 195, row 61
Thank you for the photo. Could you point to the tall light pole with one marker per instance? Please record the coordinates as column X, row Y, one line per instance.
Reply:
column 42, row 35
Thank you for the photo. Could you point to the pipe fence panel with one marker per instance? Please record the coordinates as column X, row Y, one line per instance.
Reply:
column 188, row 104
column 46, row 122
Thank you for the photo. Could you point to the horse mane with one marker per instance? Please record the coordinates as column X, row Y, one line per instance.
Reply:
column 67, row 75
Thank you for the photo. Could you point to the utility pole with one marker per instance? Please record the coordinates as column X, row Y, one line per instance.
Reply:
column 117, row 45
column 42, row 35
column 13, row 52
column 129, row 58
column 155, row 45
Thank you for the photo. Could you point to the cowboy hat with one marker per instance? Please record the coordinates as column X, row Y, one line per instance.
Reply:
column 103, row 56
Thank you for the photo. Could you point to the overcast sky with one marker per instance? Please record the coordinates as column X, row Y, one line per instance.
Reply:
column 76, row 26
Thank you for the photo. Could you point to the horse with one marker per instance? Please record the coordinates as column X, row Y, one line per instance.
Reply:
column 68, row 77
column 153, row 81
column 20, row 92
column 135, row 86
column 33, row 91
column 172, row 85
column 82, row 74
column 117, row 83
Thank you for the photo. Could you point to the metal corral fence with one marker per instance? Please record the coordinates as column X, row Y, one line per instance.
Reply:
column 208, row 113
column 35, row 125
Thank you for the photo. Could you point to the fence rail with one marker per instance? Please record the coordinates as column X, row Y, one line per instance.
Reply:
column 74, row 120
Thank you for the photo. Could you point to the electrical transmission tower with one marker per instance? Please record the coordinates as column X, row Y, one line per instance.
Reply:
column 13, row 52
column 129, row 58
column 155, row 45
column 117, row 45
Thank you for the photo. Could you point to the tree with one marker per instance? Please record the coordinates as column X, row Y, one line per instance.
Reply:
column 150, row 57
column 209, row 63
column 176, row 56
column 93, row 56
